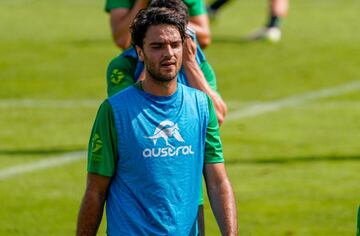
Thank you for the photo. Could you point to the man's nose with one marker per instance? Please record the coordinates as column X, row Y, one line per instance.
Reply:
column 168, row 51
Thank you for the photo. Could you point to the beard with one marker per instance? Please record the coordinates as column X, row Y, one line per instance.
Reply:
column 161, row 77
column 154, row 70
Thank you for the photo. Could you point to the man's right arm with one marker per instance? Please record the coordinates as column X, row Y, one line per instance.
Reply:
column 121, row 19
column 92, row 205
column 102, row 158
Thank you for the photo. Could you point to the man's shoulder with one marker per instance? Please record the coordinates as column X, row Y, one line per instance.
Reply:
column 122, row 64
column 129, row 91
column 113, row 4
column 193, row 92
column 128, row 56
column 195, row 7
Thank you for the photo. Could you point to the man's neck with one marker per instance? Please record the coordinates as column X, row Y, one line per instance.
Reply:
column 159, row 88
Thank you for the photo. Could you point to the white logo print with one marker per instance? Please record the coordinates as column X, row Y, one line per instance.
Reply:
column 167, row 130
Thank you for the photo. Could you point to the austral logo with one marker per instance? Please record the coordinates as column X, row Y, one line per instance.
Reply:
column 168, row 132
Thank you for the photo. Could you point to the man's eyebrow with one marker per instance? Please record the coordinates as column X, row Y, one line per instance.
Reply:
column 157, row 43
column 162, row 43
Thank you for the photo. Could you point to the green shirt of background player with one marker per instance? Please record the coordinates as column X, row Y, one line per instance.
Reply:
column 122, row 13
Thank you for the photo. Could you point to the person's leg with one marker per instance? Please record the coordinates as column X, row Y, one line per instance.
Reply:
column 214, row 7
column 278, row 10
column 201, row 222
column 279, row 7
column 271, row 31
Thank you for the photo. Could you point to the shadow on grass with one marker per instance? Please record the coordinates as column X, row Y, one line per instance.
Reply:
column 40, row 151
column 287, row 160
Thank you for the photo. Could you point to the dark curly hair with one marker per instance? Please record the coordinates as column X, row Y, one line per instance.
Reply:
column 155, row 16
column 176, row 5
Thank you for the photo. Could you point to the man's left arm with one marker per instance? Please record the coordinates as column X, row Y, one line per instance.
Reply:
column 221, row 197
column 218, row 186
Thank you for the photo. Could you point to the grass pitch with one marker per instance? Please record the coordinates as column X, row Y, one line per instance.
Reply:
column 295, row 169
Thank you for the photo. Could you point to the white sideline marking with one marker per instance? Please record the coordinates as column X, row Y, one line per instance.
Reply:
column 42, row 164
column 265, row 107
column 249, row 111
column 31, row 103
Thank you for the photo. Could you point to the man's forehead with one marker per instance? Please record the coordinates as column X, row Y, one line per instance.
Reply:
column 162, row 33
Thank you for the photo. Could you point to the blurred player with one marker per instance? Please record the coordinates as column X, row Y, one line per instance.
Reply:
column 271, row 31
column 122, row 13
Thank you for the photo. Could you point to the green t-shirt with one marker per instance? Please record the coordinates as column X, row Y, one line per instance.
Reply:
column 103, row 151
column 121, row 70
column 195, row 7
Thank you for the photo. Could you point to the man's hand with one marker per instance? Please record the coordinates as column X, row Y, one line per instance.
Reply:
column 189, row 51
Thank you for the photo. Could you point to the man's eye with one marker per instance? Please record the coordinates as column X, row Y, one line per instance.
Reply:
column 175, row 45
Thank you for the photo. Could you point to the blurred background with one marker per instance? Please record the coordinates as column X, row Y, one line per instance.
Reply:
column 291, row 138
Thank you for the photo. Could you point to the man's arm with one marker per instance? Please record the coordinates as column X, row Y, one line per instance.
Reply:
column 197, row 79
column 121, row 19
column 221, row 198
column 200, row 24
column 91, row 209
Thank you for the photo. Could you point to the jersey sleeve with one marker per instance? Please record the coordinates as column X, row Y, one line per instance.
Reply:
column 102, row 149
column 120, row 74
column 213, row 145
column 112, row 4
column 195, row 7
column 209, row 75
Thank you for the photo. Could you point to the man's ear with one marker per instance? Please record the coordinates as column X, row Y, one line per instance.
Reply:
column 140, row 53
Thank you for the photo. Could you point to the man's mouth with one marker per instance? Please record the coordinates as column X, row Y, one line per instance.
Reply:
column 168, row 64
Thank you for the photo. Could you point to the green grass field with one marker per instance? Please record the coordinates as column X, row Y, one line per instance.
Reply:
column 291, row 141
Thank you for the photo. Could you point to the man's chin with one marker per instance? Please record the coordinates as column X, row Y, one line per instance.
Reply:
column 164, row 78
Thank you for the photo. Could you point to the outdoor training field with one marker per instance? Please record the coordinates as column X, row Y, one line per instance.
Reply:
column 291, row 138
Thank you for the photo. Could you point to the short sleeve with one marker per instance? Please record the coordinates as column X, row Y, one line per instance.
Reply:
column 195, row 7
column 213, row 145
column 209, row 75
column 112, row 4
column 102, row 149
column 120, row 74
